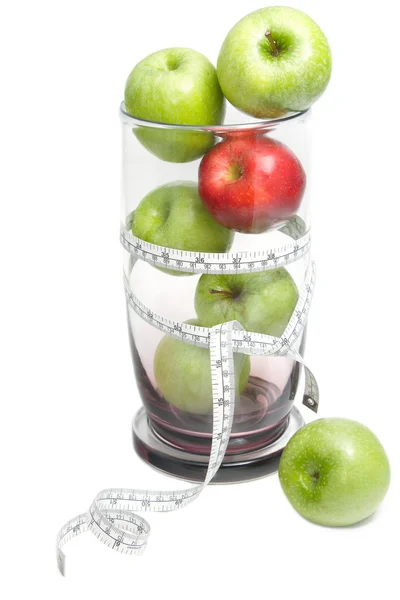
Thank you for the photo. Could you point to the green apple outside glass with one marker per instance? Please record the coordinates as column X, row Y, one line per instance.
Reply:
column 173, row 216
column 334, row 472
column 176, row 86
column 183, row 374
column 273, row 61
column 261, row 302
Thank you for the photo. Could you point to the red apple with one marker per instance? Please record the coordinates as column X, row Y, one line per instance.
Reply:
column 251, row 183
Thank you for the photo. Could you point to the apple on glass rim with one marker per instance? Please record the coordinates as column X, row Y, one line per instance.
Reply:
column 274, row 61
column 251, row 183
column 176, row 86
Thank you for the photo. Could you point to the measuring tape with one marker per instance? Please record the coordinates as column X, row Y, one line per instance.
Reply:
column 112, row 515
column 228, row 263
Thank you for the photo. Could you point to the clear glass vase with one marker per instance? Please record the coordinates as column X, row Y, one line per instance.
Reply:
column 174, row 197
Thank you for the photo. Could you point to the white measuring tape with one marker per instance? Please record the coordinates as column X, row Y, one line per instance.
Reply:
column 205, row 262
column 112, row 515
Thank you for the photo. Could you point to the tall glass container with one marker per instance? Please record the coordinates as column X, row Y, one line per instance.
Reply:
column 178, row 193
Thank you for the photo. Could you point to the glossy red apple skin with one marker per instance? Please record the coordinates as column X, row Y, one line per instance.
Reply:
column 251, row 183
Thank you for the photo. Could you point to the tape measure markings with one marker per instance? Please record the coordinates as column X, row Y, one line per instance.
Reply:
column 197, row 262
column 100, row 519
column 243, row 341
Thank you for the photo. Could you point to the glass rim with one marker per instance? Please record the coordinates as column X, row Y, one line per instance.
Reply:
column 261, row 124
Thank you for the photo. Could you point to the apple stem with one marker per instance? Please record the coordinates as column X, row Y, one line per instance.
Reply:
column 274, row 47
column 220, row 292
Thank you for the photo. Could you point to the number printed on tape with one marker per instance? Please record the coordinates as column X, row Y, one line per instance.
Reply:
column 201, row 262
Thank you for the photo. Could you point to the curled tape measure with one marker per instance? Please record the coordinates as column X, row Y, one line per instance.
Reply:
column 112, row 515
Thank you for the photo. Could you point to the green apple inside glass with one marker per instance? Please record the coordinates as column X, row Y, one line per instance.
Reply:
column 334, row 472
column 173, row 216
column 176, row 86
column 262, row 302
column 273, row 61
column 183, row 374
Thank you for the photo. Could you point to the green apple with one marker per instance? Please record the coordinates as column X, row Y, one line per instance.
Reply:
column 176, row 86
column 183, row 374
column 261, row 302
column 273, row 61
column 173, row 216
column 334, row 472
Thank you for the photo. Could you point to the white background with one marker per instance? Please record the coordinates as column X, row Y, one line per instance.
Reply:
column 67, row 385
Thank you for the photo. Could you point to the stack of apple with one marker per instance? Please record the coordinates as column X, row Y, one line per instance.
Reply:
column 273, row 62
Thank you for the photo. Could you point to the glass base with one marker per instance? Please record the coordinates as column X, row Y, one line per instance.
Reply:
column 236, row 468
